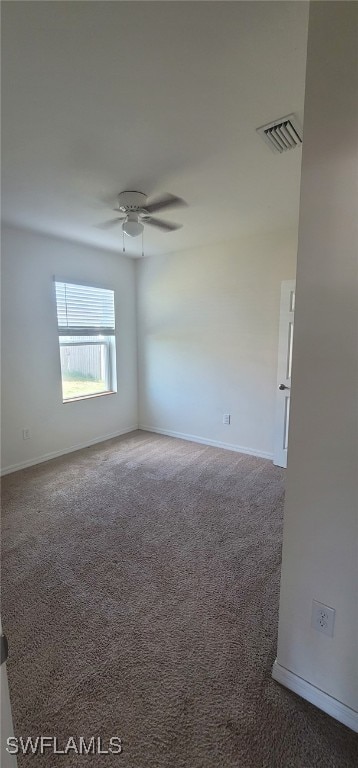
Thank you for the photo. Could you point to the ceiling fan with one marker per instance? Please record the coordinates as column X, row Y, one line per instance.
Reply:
column 136, row 212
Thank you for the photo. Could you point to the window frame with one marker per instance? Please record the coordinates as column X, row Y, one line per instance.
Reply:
column 103, row 335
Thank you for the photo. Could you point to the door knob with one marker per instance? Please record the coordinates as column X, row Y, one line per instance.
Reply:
column 283, row 386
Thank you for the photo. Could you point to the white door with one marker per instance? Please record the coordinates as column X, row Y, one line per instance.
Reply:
column 283, row 395
column 7, row 760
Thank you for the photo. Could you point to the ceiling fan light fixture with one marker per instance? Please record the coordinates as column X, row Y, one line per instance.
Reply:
column 136, row 212
column 132, row 227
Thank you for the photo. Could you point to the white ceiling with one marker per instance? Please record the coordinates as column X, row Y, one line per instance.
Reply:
column 153, row 96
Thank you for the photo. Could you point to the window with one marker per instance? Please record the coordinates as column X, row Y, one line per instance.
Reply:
column 86, row 327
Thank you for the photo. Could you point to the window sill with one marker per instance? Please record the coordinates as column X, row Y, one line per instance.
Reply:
column 88, row 397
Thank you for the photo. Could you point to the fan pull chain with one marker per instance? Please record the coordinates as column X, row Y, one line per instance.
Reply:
column 142, row 243
column 124, row 247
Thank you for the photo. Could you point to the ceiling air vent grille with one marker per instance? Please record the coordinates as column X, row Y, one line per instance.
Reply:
column 282, row 134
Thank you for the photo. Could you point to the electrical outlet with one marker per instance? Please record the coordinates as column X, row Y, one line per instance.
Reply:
column 323, row 618
column 26, row 434
column 226, row 418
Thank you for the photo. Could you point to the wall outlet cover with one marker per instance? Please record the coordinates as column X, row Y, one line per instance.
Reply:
column 323, row 618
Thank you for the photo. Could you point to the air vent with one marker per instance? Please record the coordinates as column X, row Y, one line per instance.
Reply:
column 282, row 134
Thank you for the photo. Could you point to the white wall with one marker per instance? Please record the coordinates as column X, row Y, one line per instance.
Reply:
column 31, row 379
column 208, row 336
column 320, row 533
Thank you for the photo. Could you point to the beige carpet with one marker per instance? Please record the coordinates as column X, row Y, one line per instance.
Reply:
column 140, row 599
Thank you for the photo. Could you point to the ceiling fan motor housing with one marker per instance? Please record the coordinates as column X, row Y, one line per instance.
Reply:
column 131, row 201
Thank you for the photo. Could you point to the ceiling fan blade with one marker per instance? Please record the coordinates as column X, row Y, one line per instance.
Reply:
column 167, row 201
column 166, row 226
column 110, row 223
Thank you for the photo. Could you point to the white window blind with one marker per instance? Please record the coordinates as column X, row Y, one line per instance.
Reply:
column 83, row 310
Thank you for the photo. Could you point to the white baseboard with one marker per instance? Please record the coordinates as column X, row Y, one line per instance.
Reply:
column 63, row 452
column 207, row 441
column 320, row 699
